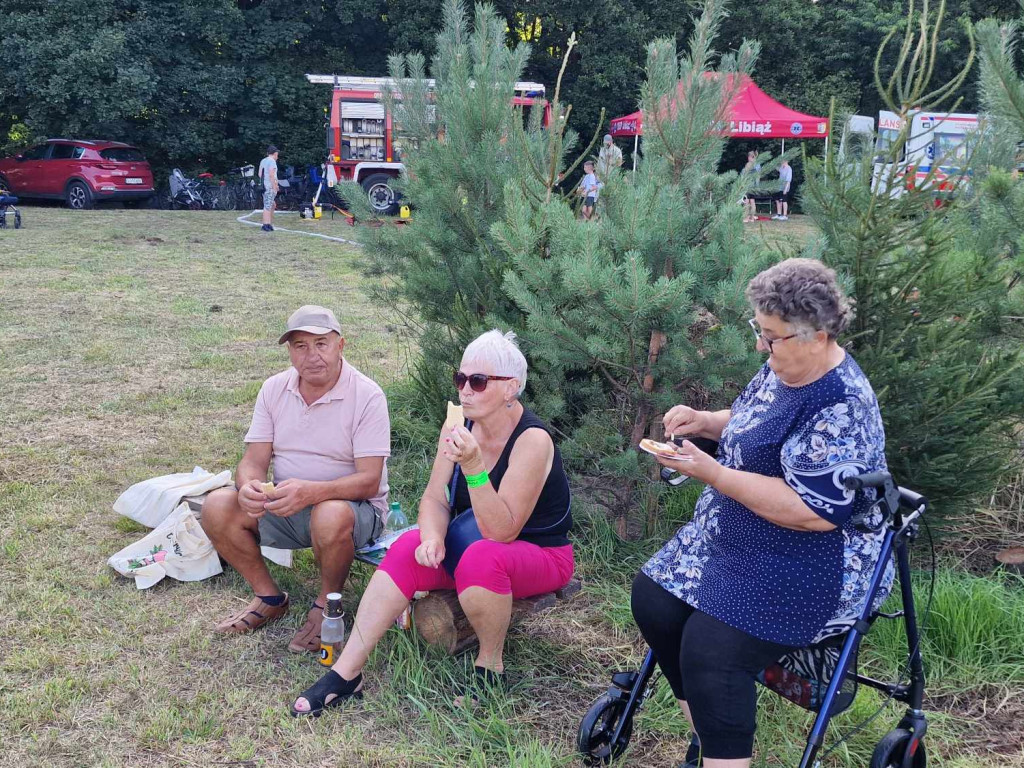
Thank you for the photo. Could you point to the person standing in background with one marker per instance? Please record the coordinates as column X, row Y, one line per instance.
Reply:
column 752, row 168
column 785, row 189
column 268, row 175
column 609, row 158
column 589, row 187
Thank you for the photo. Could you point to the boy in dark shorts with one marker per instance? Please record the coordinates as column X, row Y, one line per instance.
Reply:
column 590, row 188
column 783, row 195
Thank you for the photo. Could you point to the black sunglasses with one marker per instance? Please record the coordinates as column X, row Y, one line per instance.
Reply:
column 477, row 381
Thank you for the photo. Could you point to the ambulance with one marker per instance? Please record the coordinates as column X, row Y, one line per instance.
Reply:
column 935, row 154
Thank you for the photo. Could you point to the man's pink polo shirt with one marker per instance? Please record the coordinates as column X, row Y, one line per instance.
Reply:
column 322, row 441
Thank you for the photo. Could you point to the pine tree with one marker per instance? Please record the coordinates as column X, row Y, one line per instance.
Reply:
column 644, row 308
column 929, row 294
column 620, row 318
column 445, row 273
column 465, row 144
column 999, row 216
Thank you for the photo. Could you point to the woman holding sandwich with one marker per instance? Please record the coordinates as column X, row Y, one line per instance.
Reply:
column 779, row 554
column 502, row 537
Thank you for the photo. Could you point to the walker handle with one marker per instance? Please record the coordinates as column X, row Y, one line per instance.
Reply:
column 912, row 499
column 868, row 480
column 894, row 494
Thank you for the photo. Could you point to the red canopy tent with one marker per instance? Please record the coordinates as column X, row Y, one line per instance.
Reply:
column 753, row 114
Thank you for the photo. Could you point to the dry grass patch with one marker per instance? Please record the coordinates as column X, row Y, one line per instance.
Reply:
column 133, row 344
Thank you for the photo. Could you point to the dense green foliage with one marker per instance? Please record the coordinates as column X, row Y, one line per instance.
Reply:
column 618, row 316
column 194, row 84
column 933, row 287
column 625, row 316
column 643, row 308
column 210, row 82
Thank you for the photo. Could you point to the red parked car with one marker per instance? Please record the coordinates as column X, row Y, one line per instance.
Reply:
column 79, row 172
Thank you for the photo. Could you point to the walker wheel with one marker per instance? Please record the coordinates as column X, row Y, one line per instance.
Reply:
column 596, row 729
column 892, row 750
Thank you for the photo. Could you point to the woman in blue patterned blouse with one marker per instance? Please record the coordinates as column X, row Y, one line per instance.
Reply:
column 778, row 554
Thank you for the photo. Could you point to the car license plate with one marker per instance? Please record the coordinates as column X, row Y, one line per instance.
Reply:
column 133, row 180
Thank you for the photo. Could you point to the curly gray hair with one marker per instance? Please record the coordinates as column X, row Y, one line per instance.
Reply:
column 803, row 292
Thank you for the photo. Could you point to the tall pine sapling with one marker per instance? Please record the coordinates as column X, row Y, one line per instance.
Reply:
column 643, row 308
column 998, row 220
column 444, row 273
column 928, row 299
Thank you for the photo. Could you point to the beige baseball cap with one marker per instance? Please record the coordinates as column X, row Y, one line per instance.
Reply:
column 311, row 319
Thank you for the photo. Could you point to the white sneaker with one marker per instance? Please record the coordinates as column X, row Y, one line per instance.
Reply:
column 783, row 218
column 776, row 217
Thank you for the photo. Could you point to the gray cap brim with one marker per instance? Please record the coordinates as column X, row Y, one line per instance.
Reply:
column 317, row 329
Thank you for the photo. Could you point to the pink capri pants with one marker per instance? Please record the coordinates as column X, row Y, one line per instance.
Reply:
column 518, row 568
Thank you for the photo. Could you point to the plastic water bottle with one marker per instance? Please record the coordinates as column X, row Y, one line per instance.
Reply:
column 332, row 631
column 396, row 522
column 396, row 517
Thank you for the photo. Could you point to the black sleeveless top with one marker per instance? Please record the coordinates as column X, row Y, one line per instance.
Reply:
column 551, row 519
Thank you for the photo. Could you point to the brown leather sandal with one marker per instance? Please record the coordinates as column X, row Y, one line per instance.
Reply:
column 253, row 616
column 307, row 639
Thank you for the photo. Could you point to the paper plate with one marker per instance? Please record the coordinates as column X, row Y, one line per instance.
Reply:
column 665, row 450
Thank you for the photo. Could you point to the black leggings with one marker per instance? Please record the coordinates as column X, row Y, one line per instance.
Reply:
column 709, row 665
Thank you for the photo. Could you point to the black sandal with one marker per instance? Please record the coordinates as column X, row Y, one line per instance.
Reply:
column 483, row 682
column 694, row 758
column 330, row 683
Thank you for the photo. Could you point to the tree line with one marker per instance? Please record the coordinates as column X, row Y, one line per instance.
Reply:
column 208, row 84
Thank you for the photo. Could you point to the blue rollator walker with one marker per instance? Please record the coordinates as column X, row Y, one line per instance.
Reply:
column 8, row 213
column 827, row 686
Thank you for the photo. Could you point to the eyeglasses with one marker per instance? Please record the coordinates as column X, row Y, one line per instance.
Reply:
column 768, row 342
column 477, row 381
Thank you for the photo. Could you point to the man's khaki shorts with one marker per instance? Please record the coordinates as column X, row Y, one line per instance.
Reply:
column 293, row 532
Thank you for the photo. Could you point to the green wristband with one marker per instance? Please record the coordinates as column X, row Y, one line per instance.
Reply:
column 475, row 481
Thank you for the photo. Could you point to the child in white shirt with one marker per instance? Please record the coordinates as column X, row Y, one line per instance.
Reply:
column 590, row 188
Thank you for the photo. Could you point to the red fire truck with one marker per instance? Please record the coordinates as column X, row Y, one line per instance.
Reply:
column 363, row 142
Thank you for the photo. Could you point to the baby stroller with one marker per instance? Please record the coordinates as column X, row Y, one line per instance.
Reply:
column 185, row 192
column 822, row 678
column 8, row 212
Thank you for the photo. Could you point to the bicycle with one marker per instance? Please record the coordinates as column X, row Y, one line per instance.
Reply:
column 244, row 192
column 215, row 196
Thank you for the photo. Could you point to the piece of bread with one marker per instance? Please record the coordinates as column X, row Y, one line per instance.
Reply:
column 268, row 488
column 455, row 417
column 668, row 450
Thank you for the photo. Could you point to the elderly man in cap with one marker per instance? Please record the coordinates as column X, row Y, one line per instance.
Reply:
column 608, row 159
column 326, row 428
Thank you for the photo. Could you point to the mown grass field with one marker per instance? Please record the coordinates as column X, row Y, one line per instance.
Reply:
column 133, row 344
